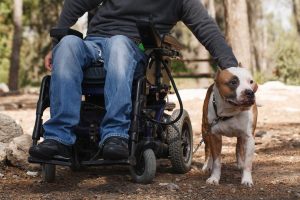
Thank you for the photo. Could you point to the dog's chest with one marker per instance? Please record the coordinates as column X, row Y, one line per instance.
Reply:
column 237, row 126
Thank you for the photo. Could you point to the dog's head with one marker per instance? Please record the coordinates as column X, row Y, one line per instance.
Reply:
column 236, row 86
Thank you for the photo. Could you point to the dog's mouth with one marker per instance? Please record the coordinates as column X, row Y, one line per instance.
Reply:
column 243, row 103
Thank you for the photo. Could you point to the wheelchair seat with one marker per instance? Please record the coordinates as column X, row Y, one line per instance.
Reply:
column 94, row 74
column 93, row 79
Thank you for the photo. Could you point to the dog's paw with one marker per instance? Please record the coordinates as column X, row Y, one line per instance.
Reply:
column 212, row 180
column 247, row 181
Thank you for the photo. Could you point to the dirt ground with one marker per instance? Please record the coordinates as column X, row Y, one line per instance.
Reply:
column 276, row 170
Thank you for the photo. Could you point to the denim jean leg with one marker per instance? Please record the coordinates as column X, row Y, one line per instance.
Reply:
column 70, row 56
column 121, row 56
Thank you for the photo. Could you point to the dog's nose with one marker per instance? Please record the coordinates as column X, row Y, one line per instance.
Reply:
column 249, row 93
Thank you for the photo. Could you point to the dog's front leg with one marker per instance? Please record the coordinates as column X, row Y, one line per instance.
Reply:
column 240, row 152
column 249, row 149
column 215, row 147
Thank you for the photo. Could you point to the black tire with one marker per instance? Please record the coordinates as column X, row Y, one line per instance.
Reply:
column 180, row 140
column 145, row 169
column 48, row 173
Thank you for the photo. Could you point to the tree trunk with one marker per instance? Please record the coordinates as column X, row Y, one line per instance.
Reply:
column 237, row 30
column 13, row 81
column 296, row 9
column 259, row 35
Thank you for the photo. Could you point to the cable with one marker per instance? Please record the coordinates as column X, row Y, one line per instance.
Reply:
column 177, row 95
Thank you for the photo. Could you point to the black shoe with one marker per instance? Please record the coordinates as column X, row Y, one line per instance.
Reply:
column 48, row 149
column 115, row 148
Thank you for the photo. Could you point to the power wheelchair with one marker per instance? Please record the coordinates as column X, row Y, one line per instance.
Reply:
column 157, row 130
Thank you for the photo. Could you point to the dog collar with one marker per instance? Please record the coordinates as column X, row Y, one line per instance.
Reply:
column 216, row 120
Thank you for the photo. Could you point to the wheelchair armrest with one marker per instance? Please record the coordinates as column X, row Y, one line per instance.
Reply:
column 149, row 35
column 59, row 33
column 171, row 42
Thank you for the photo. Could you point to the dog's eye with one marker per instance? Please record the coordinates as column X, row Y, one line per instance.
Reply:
column 233, row 82
column 251, row 82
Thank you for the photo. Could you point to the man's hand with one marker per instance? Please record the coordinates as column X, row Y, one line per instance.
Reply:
column 48, row 61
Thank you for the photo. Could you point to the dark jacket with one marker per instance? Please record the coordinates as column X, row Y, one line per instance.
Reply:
column 118, row 17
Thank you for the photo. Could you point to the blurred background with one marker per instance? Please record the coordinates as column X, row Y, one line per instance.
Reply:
column 264, row 34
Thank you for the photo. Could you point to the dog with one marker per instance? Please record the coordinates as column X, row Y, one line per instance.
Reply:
column 230, row 110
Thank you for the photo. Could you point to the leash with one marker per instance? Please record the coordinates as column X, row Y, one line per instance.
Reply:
column 198, row 146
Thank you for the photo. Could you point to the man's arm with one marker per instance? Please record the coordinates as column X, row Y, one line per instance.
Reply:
column 196, row 18
column 73, row 9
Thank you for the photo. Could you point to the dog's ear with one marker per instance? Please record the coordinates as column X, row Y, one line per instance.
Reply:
column 217, row 74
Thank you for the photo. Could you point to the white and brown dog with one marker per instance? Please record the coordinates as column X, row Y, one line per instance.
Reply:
column 230, row 110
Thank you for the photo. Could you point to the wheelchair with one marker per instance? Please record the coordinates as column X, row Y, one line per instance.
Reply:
column 158, row 130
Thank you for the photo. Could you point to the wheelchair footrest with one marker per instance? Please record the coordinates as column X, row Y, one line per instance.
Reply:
column 105, row 162
column 67, row 162
column 63, row 162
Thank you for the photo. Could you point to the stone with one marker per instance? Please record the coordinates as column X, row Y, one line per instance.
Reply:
column 3, row 147
column 17, row 152
column 9, row 129
column 172, row 187
column 163, row 184
column 3, row 88
column 31, row 173
column 260, row 133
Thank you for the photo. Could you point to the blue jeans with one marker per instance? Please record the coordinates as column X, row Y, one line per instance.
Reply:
column 122, row 61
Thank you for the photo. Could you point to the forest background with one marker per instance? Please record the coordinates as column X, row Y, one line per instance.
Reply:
column 264, row 34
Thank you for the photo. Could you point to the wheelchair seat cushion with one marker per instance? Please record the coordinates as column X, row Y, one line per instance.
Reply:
column 94, row 74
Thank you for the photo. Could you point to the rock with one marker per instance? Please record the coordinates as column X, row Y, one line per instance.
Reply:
column 172, row 187
column 163, row 184
column 31, row 173
column 17, row 152
column 3, row 88
column 260, row 133
column 9, row 129
column 3, row 147
column 15, row 176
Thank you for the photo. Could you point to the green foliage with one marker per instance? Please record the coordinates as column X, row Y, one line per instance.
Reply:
column 178, row 66
column 39, row 17
column 5, row 38
column 287, row 61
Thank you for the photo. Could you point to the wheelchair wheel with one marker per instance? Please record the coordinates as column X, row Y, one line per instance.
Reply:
column 48, row 173
column 145, row 168
column 180, row 140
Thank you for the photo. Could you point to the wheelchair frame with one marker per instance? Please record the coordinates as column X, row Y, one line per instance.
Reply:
column 151, row 134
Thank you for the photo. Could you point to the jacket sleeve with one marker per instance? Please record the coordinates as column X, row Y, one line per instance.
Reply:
column 195, row 16
column 73, row 9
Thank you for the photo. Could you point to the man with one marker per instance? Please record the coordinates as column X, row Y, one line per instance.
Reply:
column 110, row 37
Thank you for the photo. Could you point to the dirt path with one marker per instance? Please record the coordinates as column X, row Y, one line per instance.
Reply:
column 276, row 171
